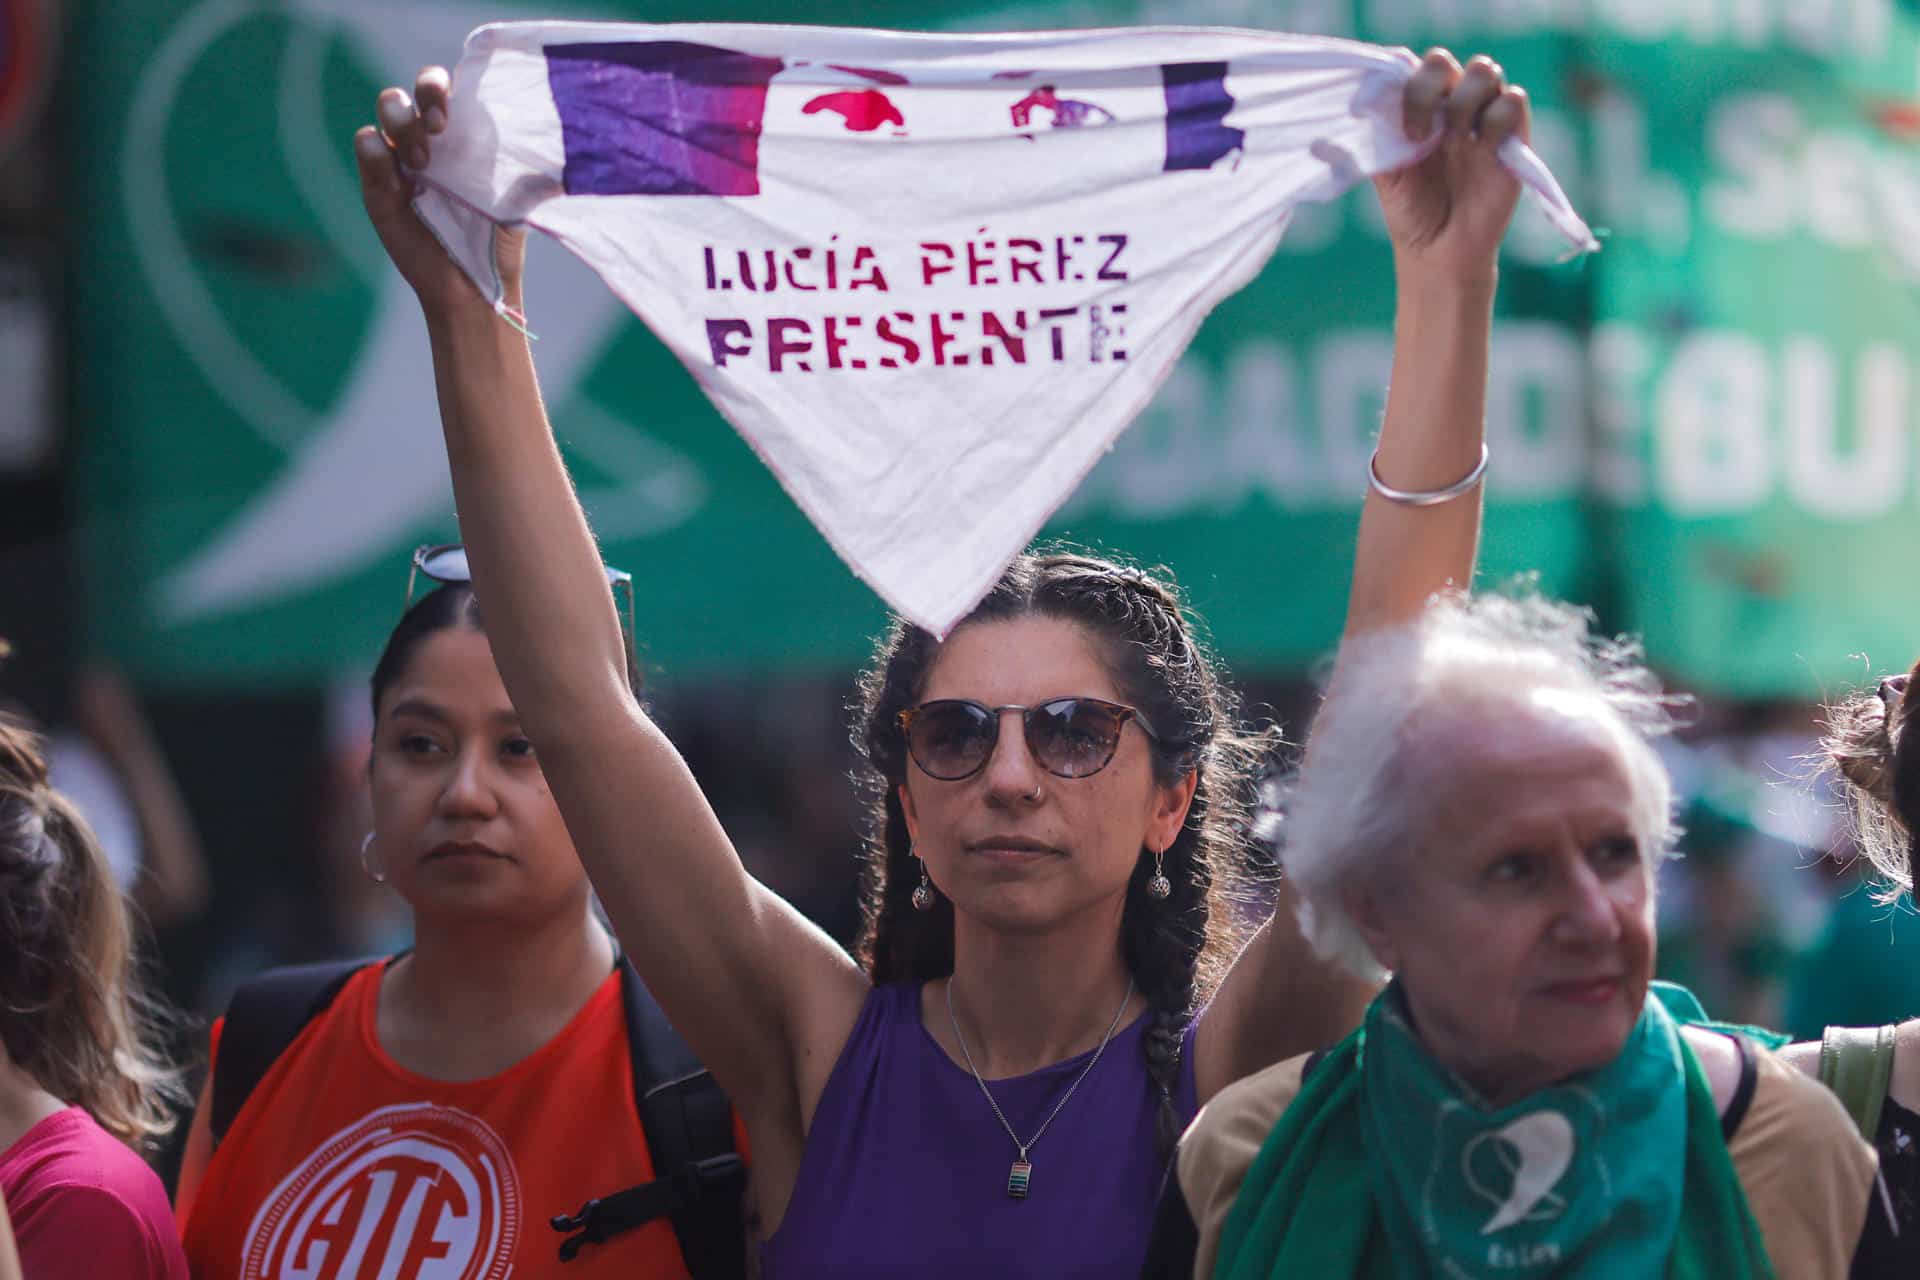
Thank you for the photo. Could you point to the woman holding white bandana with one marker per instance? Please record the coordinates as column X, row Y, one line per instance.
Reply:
column 897, row 1112
column 1480, row 814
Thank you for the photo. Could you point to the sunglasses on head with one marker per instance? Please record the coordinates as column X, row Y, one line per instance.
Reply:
column 953, row 738
column 447, row 562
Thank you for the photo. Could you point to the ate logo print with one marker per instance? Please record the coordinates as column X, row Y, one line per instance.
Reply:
column 408, row 1192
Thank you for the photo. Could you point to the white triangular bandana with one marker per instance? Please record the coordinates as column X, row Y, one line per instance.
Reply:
column 929, row 278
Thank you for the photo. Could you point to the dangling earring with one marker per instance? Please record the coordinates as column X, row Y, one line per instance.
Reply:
column 366, row 863
column 1159, row 886
column 922, row 892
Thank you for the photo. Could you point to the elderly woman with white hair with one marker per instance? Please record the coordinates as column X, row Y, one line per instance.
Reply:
column 1480, row 815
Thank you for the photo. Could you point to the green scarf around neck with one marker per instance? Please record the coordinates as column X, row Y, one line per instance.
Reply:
column 1386, row 1167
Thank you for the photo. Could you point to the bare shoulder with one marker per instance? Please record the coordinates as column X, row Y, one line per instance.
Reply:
column 1802, row 1055
column 1790, row 1108
column 1785, row 1102
column 1785, row 1098
column 1719, row 1059
column 1904, row 1088
column 824, row 1014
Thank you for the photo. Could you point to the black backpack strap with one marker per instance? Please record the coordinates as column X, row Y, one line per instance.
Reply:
column 265, row 1015
column 700, row 1180
column 1742, row 1099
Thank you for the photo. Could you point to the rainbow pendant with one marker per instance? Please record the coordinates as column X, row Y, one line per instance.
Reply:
column 1018, row 1178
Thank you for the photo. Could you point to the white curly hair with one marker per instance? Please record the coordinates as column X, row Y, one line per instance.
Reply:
column 1350, row 803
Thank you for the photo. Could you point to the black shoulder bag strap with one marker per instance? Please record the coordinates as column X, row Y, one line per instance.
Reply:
column 265, row 1015
column 700, row 1180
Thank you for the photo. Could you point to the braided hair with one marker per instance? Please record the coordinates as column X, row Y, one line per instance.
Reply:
column 1177, row 948
column 73, row 1014
column 1870, row 743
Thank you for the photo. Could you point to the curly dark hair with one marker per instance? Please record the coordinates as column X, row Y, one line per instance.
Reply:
column 74, row 1013
column 1177, row 948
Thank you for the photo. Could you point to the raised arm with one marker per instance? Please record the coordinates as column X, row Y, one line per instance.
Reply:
column 1446, row 216
column 764, row 997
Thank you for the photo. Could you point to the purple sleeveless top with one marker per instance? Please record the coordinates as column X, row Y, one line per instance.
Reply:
column 905, row 1168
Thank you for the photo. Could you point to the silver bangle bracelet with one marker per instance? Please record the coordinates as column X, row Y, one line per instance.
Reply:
column 1425, row 497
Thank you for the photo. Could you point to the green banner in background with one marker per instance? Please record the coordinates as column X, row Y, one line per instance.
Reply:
column 1709, row 427
column 1756, row 344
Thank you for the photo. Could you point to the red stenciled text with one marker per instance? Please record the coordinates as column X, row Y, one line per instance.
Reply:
column 910, row 339
column 978, row 262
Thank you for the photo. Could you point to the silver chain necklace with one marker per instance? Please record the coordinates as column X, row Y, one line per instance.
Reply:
column 1021, row 1175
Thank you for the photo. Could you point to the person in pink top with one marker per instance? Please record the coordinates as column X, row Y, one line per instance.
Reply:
column 81, row 1081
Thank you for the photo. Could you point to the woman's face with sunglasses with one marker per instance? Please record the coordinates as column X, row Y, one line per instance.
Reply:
column 464, row 826
column 1038, row 810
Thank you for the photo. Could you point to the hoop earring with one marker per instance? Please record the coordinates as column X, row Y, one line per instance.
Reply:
column 923, row 895
column 366, row 863
column 1158, row 886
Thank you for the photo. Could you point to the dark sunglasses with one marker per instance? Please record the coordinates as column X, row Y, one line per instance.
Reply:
column 447, row 562
column 953, row 738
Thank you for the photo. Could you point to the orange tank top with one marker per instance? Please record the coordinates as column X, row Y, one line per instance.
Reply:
column 343, row 1164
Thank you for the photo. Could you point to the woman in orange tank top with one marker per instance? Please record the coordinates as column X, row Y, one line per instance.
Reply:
column 449, row 1102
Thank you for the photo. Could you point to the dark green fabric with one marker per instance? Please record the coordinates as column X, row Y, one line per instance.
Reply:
column 1685, row 1009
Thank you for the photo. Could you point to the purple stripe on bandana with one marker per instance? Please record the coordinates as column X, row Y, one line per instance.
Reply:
column 659, row 117
column 1197, row 106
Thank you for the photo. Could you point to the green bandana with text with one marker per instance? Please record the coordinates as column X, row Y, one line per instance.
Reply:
column 1387, row 1165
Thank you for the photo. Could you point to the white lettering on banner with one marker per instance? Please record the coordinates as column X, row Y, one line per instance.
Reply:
column 1713, row 456
column 1749, row 137
column 1822, row 28
column 1656, row 19
column 1173, row 479
column 1216, row 436
column 1511, row 1257
column 1535, row 392
column 1824, row 476
column 1740, row 424
column 1632, row 197
column 1718, row 429
column 1326, row 17
column 1778, row 177
column 1773, row 177
column 1838, row 172
column 1266, row 448
column 1351, row 372
column 1618, row 357
column 1828, row 28
column 1618, row 181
